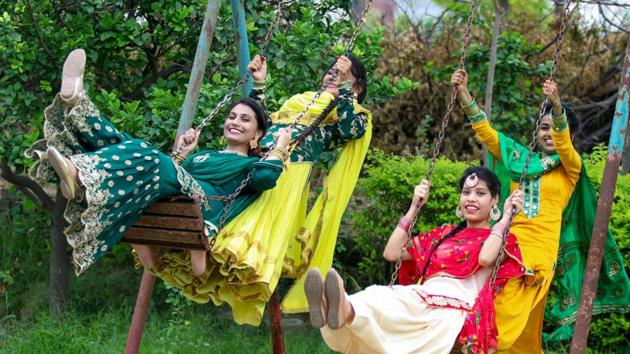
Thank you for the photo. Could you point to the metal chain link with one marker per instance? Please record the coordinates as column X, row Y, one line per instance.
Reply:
column 441, row 134
column 228, row 97
column 532, row 144
column 335, row 72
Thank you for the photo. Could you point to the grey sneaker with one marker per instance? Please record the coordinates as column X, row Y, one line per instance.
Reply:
column 72, row 77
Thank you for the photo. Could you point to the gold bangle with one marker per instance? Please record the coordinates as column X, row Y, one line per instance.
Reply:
column 178, row 159
column 281, row 153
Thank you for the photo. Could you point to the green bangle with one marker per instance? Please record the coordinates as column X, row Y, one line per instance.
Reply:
column 558, row 123
column 345, row 85
column 479, row 117
column 259, row 85
column 470, row 105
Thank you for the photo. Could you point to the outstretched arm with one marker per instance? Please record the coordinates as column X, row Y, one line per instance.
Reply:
column 477, row 117
column 561, row 136
column 400, row 234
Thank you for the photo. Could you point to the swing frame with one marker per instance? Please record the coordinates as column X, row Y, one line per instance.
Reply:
column 178, row 223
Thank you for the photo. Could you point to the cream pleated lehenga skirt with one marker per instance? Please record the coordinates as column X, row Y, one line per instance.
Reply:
column 396, row 320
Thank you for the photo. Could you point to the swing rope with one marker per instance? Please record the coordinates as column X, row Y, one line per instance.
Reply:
column 229, row 199
column 532, row 144
column 441, row 134
column 241, row 82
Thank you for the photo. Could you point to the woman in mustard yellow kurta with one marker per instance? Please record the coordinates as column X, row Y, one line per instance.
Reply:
column 551, row 178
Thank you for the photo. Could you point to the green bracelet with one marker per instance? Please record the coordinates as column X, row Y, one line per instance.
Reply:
column 479, row 117
column 559, row 123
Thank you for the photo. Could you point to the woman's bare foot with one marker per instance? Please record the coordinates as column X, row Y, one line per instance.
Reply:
column 198, row 260
column 148, row 255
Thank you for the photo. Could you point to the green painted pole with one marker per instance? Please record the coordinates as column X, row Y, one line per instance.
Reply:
column 189, row 109
column 240, row 30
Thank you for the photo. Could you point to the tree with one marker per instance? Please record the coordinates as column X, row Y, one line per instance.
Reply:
column 139, row 58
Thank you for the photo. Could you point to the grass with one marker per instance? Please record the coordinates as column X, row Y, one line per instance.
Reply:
column 106, row 332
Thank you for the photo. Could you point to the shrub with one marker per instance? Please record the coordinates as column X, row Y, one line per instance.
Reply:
column 384, row 194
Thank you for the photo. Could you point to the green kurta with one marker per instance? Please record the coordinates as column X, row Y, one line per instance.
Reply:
column 121, row 176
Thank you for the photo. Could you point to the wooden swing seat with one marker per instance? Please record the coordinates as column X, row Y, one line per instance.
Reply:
column 173, row 223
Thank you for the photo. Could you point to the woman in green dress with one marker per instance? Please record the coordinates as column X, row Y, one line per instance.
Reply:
column 109, row 177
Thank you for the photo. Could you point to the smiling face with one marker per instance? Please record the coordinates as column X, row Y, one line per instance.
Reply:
column 241, row 126
column 476, row 202
column 543, row 136
column 333, row 86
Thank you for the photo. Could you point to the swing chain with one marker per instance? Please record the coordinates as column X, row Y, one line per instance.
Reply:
column 241, row 82
column 335, row 72
column 359, row 24
column 229, row 199
column 440, row 139
column 532, row 143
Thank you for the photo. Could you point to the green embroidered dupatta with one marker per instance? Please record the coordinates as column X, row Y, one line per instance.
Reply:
column 613, row 292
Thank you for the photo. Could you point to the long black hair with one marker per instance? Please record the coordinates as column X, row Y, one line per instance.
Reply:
column 360, row 74
column 494, row 185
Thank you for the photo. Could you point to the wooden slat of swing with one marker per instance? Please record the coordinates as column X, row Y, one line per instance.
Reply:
column 170, row 224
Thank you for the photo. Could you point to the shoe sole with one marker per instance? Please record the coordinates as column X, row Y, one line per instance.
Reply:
column 334, row 287
column 73, row 69
column 58, row 163
column 314, row 289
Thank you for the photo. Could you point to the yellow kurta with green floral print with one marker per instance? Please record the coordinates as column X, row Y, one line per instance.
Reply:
column 520, row 307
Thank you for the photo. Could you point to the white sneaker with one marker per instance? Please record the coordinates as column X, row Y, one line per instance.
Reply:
column 72, row 77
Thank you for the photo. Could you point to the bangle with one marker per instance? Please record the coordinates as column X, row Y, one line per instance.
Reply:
column 470, row 105
column 498, row 230
column 178, row 159
column 558, row 123
column 405, row 224
column 280, row 152
column 345, row 85
column 259, row 85
column 472, row 109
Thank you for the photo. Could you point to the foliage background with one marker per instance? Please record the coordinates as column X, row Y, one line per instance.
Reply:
column 139, row 58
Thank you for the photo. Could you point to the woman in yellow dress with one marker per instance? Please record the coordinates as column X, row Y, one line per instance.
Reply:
column 551, row 179
column 275, row 236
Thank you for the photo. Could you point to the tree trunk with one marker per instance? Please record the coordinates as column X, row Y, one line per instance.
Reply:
column 59, row 261
column 501, row 8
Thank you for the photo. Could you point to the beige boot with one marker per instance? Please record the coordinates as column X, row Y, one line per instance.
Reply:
column 317, row 303
column 59, row 163
column 72, row 77
column 339, row 309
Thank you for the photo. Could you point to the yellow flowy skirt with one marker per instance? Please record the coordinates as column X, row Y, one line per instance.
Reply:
column 248, row 255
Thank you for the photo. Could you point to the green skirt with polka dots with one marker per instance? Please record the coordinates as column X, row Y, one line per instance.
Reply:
column 120, row 176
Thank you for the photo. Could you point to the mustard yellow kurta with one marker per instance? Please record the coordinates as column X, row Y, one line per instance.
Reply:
column 520, row 307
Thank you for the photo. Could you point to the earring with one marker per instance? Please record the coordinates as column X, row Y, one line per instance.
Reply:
column 222, row 140
column 253, row 144
column 495, row 213
column 458, row 212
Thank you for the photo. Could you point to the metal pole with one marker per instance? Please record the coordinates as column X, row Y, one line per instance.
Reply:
column 240, row 30
column 604, row 205
column 189, row 109
column 140, row 313
column 275, row 317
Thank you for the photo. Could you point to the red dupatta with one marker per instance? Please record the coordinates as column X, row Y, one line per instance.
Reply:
column 458, row 257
